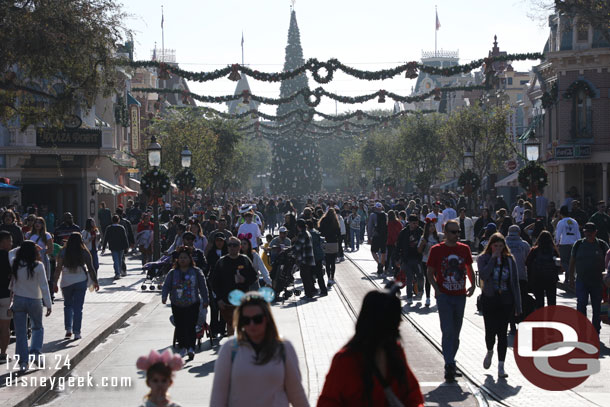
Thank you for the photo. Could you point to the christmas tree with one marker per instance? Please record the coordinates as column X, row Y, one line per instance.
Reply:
column 295, row 168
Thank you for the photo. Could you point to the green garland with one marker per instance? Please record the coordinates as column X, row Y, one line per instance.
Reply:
column 155, row 183
column 576, row 87
column 315, row 67
column 533, row 177
column 121, row 112
column 469, row 177
column 313, row 98
column 185, row 180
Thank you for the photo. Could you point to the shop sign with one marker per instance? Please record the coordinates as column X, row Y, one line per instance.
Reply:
column 135, row 128
column 571, row 152
column 69, row 137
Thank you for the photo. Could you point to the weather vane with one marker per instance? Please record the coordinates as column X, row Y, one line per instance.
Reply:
column 292, row 2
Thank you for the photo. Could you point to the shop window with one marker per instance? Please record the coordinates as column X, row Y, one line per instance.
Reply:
column 510, row 81
column 582, row 115
column 582, row 33
column 549, row 113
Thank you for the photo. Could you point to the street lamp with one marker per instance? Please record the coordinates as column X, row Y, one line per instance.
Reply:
column 185, row 159
column 377, row 179
column 468, row 159
column 532, row 152
column 154, row 160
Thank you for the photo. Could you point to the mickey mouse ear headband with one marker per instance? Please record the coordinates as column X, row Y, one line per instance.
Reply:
column 168, row 358
column 237, row 297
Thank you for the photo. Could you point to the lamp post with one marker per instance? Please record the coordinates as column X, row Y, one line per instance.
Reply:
column 185, row 159
column 532, row 153
column 377, row 179
column 154, row 160
column 468, row 159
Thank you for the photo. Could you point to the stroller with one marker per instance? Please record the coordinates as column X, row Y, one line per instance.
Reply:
column 201, row 329
column 282, row 274
column 156, row 272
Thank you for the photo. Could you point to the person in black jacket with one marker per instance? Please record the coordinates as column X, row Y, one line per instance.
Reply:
column 8, row 224
column 215, row 252
column 410, row 257
column 233, row 271
column 115, row 236
column 130, row 238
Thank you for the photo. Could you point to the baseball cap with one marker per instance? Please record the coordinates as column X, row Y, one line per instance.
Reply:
column 219, row 236
column 590, row 226
column 491, row 226
column 283, row 229
column 167, row 206
column 412, row 218
column 378, row 205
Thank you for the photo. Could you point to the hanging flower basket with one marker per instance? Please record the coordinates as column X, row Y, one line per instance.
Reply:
column 155, row 183
column 469, row 180
column 185, row 180
column 533, row 177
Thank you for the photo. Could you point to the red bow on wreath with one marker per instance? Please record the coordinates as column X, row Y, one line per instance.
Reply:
column 247, row 236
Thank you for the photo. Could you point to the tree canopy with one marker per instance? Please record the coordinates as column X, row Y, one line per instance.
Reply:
column 56, row 57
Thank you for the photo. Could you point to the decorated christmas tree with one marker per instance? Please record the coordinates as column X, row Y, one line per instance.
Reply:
column 296, row 164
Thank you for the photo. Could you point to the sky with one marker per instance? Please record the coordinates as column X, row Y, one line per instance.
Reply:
column 371, row 35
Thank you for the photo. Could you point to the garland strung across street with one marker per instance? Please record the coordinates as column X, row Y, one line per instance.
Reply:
column 313, row 98
column 323, row 128
column 254, row 114
column 315, row 67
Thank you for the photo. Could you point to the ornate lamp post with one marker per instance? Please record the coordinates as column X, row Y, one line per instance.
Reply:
column 532, row 152
column 185, row 159
column 154, row 161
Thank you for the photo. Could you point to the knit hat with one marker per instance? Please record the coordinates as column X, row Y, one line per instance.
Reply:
column 514, row 230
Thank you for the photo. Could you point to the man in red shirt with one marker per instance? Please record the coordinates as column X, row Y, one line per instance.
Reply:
column 448, row 264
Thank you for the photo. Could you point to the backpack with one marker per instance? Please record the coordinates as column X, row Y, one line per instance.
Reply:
column 188, row 287
column 544, row 268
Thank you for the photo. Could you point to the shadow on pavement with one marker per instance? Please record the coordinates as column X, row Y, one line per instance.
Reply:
column 500, row 386
column 202, row 370
column 446, row 395
column 59, row 344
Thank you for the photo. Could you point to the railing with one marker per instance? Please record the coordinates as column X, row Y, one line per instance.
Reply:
column 441, row 53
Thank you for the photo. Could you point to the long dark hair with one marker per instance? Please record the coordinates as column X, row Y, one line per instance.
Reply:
column 89, row 226
column 26, row 256
column 75, row 249
column 249, row 249
column 378, row 328
column 43, row 230
column 329, row 220
column 545, row 243
column 427, row 232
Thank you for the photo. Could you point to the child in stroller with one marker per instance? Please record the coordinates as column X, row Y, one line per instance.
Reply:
column 156, row 272
column 282, row 274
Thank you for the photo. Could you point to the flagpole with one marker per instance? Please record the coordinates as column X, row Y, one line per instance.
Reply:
column 162, row 36
column 242, row 48
column 435, row 30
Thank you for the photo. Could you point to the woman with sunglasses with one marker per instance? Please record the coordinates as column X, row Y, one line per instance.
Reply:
column 257, row 367
column 372, row 369
column 501, row 296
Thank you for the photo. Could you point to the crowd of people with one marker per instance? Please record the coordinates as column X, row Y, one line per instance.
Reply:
column 218, row 247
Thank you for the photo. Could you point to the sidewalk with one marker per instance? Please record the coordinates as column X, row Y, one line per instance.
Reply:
column 103, row 313
column 515, row 390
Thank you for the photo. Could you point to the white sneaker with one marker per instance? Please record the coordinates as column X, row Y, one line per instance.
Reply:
column 487, row 360
column 427, row 302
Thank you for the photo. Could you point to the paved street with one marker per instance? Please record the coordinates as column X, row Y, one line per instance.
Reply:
column 122, row 323
column 515, row 390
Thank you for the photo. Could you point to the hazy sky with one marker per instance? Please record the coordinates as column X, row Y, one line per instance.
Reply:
column 377, row 34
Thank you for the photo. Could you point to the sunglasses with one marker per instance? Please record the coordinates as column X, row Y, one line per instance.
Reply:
column 234, row 245
column 455, row 232
column 257, row 319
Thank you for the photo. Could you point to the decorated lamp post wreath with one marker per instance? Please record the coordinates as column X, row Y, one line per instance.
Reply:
column 533, row 178
column 469, row 181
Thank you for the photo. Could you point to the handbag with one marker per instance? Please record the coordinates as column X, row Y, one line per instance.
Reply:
column 331, row 248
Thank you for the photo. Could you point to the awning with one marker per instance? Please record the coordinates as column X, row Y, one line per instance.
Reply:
column 531, row 130
column 105, row 187
column 131, row 100
column 134, row 184
column 509, row 181
column 8, row 187
column 127, row 191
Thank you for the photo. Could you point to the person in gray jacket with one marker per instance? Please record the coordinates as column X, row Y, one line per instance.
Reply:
column 519, row 248
column 501, row 296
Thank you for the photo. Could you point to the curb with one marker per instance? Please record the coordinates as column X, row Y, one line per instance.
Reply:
column 481, row 393
column 95, row 338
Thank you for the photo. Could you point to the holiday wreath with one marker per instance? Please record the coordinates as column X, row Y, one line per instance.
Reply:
column 155, row 182
column 469, row 177
column 185, row 180
column 533, row 177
